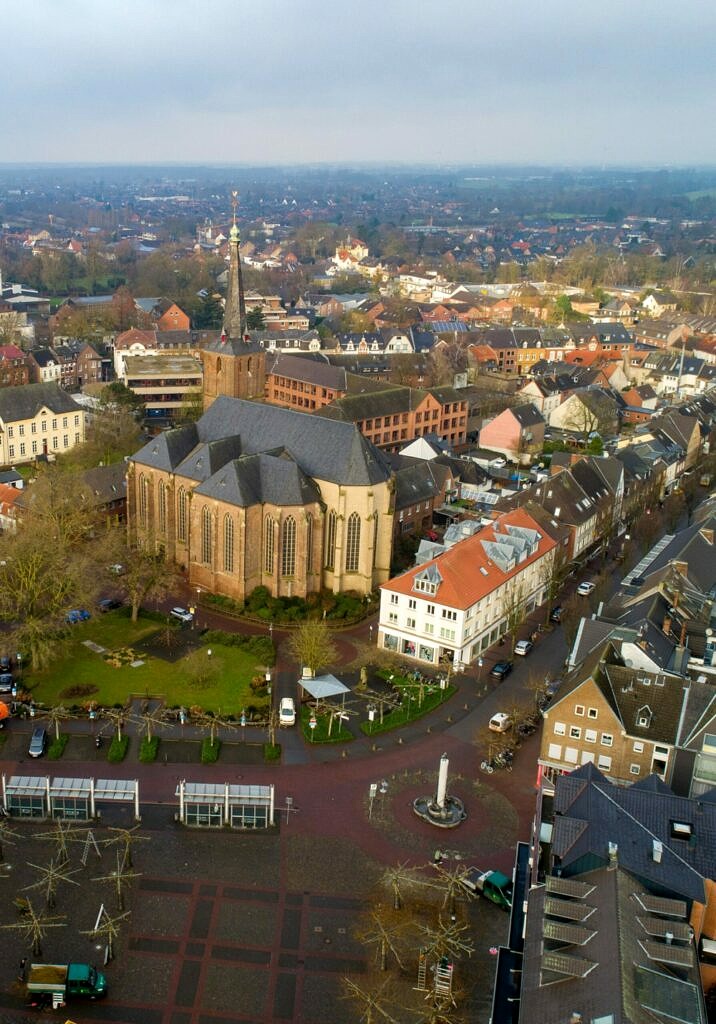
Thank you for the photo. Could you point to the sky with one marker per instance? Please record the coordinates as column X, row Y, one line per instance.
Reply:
column 346, row 81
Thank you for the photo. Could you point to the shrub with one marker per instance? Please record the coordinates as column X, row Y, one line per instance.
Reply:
column 57, row 747
column 258, row 598
column 118, row 749
column 209, row 750
column 80, row 690
column 272, row 751
column 148, row 750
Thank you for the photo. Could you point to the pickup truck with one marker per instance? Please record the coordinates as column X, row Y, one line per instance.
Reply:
column 493, row 885
column 60, row 982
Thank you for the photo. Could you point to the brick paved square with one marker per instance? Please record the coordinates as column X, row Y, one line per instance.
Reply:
column 245, row 923
column 323, row 1001
column 140, row 978
column 336, row 935
column 230, row 989
column 157, row 914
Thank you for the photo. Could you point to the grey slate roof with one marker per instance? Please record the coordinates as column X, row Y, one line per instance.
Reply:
column 324, row 449
column 23, row 403
column 205, row 459
column 615, row 966
column 255, row 479
column 632, row 817
column 313, row 371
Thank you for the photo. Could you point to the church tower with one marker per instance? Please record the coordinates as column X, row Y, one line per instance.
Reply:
column 234, row 364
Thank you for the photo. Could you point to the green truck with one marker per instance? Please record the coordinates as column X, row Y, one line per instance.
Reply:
column 60, row 982
column 493, row 885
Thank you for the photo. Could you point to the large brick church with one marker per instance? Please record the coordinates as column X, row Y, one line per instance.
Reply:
column 253, row 494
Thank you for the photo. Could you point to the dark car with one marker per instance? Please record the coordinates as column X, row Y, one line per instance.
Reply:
column 501, row 669
column 5, row 664
column 556, row 614
column 6, row 682
column 108, row 604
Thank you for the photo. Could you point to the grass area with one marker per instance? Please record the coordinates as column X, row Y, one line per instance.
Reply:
column 339, row 733
column 272, row 751
column 80, row 675
column 417, row 701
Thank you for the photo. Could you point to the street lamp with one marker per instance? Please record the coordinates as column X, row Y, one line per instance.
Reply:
column 480, row 663
column 243, row 725
column 271, row 631
column 370, row 633
column 268, row 682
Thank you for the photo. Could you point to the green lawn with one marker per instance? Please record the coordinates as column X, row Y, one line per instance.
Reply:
column 229, row 693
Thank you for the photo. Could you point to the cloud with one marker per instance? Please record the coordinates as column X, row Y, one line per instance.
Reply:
column 281, row 81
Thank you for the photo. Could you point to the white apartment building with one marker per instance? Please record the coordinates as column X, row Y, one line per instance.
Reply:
column 459, row 604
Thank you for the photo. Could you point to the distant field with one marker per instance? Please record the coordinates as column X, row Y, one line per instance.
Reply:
column 706, row 193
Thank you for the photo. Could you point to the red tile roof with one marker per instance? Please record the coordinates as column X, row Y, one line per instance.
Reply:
column 463, row 583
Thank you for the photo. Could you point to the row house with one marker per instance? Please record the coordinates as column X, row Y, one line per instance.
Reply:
column 14, row 369
column 453, row 607
column 391, row 417
column 516, row 433
column 624, row 720
column 633, row 865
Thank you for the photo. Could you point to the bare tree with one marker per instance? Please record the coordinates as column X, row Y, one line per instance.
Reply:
column 121, row 879
column 50, row 877
column 34, row 926
column 312, row 646
column 513, row 609
column 107, row 928
column 55, row 716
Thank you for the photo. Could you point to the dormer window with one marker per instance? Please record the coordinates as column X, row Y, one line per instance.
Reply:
column 644, row 716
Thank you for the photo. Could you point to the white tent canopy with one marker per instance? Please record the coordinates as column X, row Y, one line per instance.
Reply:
column 320, row 687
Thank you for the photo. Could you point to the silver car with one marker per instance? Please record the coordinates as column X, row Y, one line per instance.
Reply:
column 38, row 742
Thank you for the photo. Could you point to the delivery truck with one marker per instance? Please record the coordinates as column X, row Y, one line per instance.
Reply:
column 493, row 885
column 60, row 982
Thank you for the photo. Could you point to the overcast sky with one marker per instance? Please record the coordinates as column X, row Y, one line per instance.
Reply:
column 289, row 81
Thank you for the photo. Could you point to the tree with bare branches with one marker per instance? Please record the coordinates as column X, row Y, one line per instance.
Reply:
column 34, row 926
column 50, row 877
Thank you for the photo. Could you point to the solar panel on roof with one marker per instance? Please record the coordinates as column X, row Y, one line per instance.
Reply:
column 681, row 956
column 657, row 927
column 561, row 931
column 567, row 910
column 661, row 905
column 568, row 887
column 562, row 963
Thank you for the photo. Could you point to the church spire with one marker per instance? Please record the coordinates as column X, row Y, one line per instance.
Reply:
column 235, row 310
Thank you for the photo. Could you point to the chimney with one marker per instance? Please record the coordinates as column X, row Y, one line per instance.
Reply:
column 657, row 851
column 668, row 938
column 682, row 638
column 576, row 1018
column 613, row 849
column 666, row 625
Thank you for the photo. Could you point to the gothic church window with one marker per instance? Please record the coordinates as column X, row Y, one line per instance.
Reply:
column 288, row 547
column 353, row 543
column 206, row 545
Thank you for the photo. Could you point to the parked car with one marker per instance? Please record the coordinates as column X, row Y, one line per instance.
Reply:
column 556, row 614
column 38, row 742
column 183, row 614
column 287, row 711
column 501, row 669
column 523, row 647
column 586, row 588
column 6, row 682
column 5, row 663
column 78, row 615
column 500, row 722
column 108, row 604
